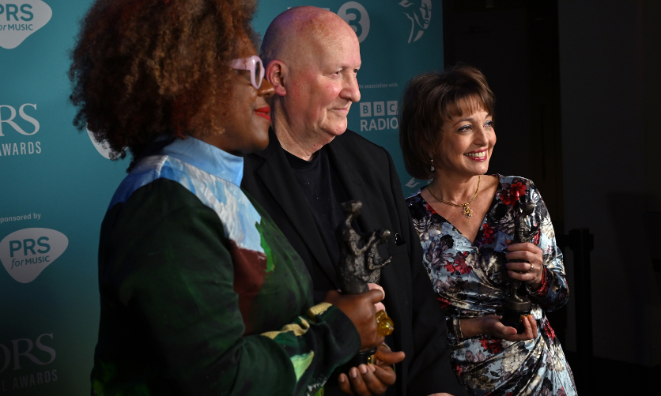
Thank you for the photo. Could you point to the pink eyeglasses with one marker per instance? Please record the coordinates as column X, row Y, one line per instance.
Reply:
column 254, row 64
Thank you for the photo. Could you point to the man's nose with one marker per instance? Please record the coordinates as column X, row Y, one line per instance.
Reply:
column 350, row 91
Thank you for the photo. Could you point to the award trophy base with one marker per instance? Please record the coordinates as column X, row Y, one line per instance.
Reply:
column 513, row 313
column 385, row 327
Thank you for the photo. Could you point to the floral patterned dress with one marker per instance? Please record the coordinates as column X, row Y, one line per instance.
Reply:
column 470, row 279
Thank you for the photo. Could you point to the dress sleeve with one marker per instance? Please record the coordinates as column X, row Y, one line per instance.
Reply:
column 429, row 369
column 171, row 267
column 554, row 291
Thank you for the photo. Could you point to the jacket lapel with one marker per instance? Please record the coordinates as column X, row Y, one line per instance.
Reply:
column 343, row 164
column 277, row 176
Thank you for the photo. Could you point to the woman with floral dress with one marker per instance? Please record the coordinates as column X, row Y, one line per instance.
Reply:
column 466, row 221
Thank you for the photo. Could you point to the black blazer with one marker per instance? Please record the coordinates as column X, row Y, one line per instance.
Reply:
column 368, row 174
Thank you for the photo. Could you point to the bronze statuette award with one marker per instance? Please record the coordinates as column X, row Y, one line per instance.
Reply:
column 360, row 264
column 517, row 304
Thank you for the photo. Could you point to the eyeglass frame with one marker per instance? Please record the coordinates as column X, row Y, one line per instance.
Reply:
column 250, row 63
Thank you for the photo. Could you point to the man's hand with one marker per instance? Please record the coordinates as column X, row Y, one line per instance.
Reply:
column 372, row 379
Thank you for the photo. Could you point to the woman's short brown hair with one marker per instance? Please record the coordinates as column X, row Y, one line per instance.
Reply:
column 144, row 68
column 429, row 101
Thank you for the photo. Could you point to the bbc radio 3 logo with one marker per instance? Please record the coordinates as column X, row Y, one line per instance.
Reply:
column 419, row 13
column 382, row 115
column 357, row 17
column 20, row 18
column 27, row 252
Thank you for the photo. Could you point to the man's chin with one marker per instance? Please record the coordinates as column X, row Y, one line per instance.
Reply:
column 333, row 132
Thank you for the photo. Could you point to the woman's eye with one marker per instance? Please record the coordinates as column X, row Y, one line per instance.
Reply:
column 464, row 128
column 489, row 124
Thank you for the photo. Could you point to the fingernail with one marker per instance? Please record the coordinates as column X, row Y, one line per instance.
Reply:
column 341, row 379
column 363, row 368
column 354, row 372
column 371, row 367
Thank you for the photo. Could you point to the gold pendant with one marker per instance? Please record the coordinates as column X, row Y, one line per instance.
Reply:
column 468, row 212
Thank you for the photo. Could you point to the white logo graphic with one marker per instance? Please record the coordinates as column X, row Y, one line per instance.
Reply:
column 101, row 147
column 8, row 119
column 359, row 22
column 21, row 112
column 20, row 18
column 412, row 183
column 27, row 252
column 385, row 109
column 27, row 346
column 419, row 12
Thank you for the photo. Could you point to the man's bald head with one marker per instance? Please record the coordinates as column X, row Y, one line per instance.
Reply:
column 312, row 58
column 297, row 32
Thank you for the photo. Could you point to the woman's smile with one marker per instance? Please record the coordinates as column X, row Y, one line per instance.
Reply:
column 479, row 155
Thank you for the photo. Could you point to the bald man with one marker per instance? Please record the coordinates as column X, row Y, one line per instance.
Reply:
column 312, row 164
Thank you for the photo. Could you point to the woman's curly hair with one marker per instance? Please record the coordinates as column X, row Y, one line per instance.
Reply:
column 144, row 68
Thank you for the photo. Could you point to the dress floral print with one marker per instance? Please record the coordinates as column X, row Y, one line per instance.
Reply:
column 470, row 280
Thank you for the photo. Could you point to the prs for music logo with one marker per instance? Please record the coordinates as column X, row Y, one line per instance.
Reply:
column 27, row 252
column 20, row 18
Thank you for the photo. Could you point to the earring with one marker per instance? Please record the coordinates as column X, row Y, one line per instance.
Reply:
column 431, row 168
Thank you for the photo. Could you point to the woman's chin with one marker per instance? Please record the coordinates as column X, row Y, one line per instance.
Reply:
column 263, row 143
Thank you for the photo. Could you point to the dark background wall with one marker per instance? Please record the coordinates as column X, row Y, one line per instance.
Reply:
column 577, row 87
column 609, row 63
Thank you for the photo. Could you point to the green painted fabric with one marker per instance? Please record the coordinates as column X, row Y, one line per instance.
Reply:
column 180, row 314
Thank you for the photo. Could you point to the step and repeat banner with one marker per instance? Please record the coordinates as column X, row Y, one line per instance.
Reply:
column 56, row 183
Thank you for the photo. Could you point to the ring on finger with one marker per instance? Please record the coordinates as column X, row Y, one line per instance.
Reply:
column 532, row 267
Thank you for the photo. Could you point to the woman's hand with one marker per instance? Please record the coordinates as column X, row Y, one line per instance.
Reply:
column 496, row 329
column 372, row 379
column 360, row 310
column 378, row 306
column 532, row 267
column 492, row 326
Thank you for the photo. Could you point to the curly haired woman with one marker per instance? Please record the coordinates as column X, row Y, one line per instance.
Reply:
column 201, row 294
column 466, row 225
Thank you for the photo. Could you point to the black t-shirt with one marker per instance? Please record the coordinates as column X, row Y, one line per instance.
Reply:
column 323, row 192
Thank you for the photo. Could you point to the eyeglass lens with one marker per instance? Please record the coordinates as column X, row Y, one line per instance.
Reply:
column 258, row 73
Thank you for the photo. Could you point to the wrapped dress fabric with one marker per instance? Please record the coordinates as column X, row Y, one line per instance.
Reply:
column 201, row 294
column 470, row 279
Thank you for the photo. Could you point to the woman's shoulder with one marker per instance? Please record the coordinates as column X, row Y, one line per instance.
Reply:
column 517, row 182
column 417, row 206
column 512, row 187
column 416, row 200
column 413, row 198
column 513, row 179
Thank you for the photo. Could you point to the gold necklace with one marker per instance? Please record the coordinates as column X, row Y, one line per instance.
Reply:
column 468, row 212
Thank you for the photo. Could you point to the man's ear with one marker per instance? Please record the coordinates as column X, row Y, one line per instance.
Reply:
column 277, row 74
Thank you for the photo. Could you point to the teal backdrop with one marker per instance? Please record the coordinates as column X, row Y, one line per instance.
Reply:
column 55, row 183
